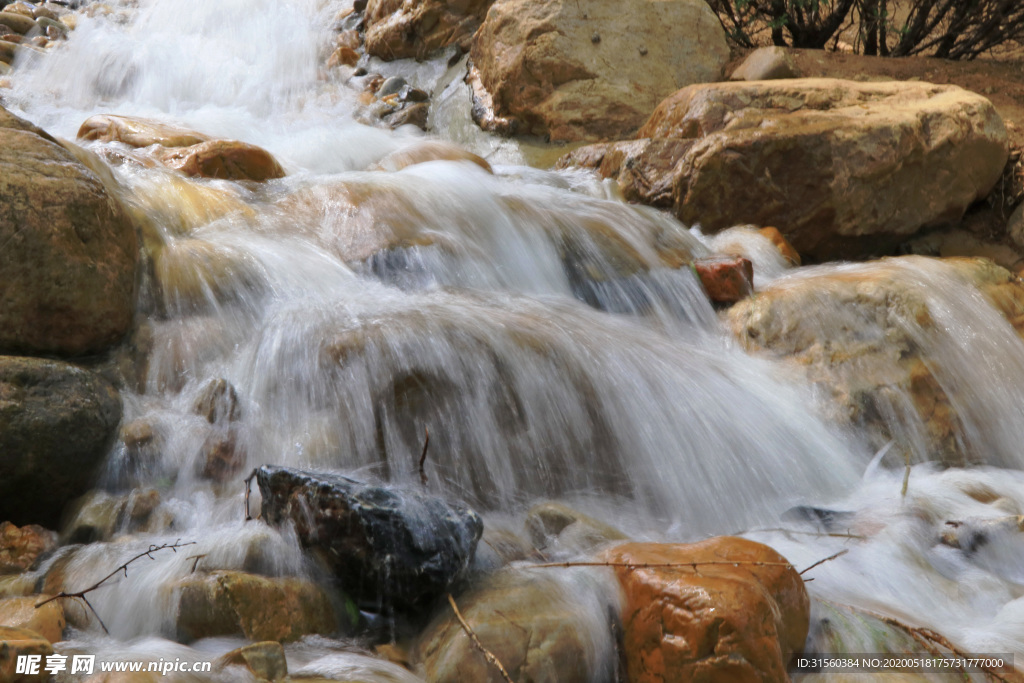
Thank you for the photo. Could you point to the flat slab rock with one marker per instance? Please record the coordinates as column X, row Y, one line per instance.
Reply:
column 843, row 169
column 388, row 546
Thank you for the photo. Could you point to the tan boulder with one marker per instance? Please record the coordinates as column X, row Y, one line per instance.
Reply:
column 229, row 603
column 809, row 155
column 194, row 275
column 595, row 70
column 528, row 620
column 554, row 526
column 865, row 336
column 21, row 547
column 17, row 642
column 67, row 275
column 138, row 132
column 48, row 620
column 401, row 29
column 342, row 56
column 224, row 159
column 766, row 64
column 717, row 622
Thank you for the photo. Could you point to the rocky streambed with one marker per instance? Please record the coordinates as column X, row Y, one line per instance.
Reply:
column 515, row 340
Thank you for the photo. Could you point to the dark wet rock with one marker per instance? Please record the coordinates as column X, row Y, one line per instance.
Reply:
column 411, row 94
column 221, row 455
column 57, row 421
column 99, row 515
column 386, row 545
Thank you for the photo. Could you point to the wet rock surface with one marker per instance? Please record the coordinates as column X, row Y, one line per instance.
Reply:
column 230, row 603
column 385, row 545
column 21, row 547
column 400, row 29
column 717, row 622
column 67, row 273
column 57, row 421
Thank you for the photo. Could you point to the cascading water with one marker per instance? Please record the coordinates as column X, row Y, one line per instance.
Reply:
column 543, row 333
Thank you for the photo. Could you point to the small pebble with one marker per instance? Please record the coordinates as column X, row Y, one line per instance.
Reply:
column 596, row 38
column 643, row 51
column 360, row 71
column 411, row 94
column 391, row 86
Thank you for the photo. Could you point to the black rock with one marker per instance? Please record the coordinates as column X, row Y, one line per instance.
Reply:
column 391, row 548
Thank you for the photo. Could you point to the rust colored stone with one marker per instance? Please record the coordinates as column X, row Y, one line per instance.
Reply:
column 726, row 279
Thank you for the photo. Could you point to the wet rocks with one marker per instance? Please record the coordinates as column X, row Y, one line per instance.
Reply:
column 138, row 132
column 861, row 335
column 428, row 150
column 21, row 547
column 56, row 423
column 229, row 603
column 218, row 402
column 808, row 155
column 401, row 547
column 538, row 63
column 192, row 153
column 529, row 621
column 17, row 642
column 224, row 159
column 718, row 622
column 554, row 527
column 401, row 29
column 264, row 660
column 19, row 23
column 726, row 279
column 22, row 613
column 67, row 278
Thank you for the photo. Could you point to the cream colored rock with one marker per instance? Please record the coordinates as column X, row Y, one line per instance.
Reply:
column 20, row 23
column 765, row 64
column 594, row 70
column 138, row 132
column 428, row 150
column 858, row 334
column 842, row 168
column 48, row 620
column 265, row 660
column 223, row 159
column 401, row 29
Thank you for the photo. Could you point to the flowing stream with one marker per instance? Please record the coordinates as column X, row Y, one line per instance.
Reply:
column 532, row 322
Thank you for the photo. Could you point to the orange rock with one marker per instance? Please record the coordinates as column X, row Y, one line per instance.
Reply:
column 726, row 279
column 343, row 55
column 225, row 159
column 22, row 613
column 782, row 244
column 716, row 623
column 19, row 547
column 16, row 642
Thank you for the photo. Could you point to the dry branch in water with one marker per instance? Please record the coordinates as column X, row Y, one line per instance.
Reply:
column 931, row 641
column 80, row 595
column 488, row 655
column 681, row 565
column 423, row 456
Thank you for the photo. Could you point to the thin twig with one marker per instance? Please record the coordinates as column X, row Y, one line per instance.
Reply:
column 248, row 489
column 656, row 565
column 906, row 476
column 488, row 655
column 821, row 534
column 423, row 456
column 823, row 561
column 195, row 564
column 80, row 595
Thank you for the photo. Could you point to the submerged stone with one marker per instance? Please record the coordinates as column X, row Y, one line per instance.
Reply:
column 388, row 546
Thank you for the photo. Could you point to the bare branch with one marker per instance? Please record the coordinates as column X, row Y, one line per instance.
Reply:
column 80, row 595
column 488, row 655
column 423, row 456
column 823, row 561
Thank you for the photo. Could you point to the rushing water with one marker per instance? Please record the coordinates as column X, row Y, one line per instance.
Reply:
column 533, row 323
